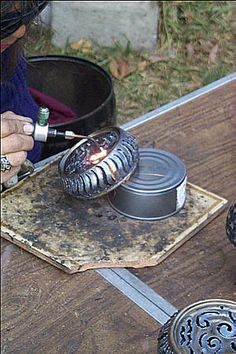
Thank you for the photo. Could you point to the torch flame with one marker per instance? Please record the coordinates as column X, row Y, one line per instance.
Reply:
column 95, row 158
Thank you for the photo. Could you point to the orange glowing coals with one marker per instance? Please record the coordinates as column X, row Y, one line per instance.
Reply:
column 95, row 158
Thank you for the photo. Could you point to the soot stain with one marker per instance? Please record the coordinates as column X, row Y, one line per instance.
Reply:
column 110, row 238
column 39, row 244
column 160, row 245
column 106, row 256
column 65, row 245
column 31, row 237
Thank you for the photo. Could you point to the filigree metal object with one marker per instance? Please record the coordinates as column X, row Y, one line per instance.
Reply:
column 205, row 327
column 230, row 224
column 85, row 178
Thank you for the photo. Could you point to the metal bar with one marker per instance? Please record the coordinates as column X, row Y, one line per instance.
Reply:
column 42, row 163
column 140, row 293
column 179, row 102
column 148, row 292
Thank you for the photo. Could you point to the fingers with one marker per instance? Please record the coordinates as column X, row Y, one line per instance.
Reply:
column 16, row 143
column 16, row 140
column 12, row 115
column 5, row 176
column 16, row 159
column 15, row 133
column 15, row 126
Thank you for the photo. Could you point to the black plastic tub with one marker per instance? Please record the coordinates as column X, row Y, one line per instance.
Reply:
column 83, row 86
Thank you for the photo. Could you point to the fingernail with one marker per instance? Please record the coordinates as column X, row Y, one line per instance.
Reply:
column 28, row 128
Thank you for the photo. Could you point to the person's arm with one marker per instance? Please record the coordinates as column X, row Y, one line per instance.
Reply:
column 16, row 140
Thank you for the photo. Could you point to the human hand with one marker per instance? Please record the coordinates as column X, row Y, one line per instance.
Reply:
column 15, row 141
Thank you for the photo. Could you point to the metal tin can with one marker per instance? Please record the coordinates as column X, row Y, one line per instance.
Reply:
column 156, row 190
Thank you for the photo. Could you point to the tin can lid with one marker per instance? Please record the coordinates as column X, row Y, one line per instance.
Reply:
column 157, row 171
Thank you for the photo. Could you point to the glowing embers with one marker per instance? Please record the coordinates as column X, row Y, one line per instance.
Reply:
column 98, row 156
column 85, row 154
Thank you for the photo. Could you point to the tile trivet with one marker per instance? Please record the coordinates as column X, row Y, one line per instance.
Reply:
column 75, row 235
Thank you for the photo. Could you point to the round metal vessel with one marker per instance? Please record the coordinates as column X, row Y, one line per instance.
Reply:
column 206, row 326
column 80, row 84
column 84, row 179
column 156, row 190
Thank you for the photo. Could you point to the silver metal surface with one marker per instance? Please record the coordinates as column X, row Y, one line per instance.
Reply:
column 39, row 165
column 230, row 224
column 5, row 163
column 86, row 180
column 41, row 132
column 157, row 188
column 141, row 294
column 71, row 135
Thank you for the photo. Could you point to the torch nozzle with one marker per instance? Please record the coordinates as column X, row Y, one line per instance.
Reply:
column 42, row 133
column 68, row 134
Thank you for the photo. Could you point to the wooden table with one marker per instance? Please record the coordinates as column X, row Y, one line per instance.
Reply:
column 45, row 310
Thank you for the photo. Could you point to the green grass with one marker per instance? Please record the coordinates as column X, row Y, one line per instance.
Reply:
column 188, row 32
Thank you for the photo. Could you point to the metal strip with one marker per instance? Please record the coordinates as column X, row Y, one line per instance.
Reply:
column 140, row 293
column 179, row 102
column 146, row 290
column 42, row 163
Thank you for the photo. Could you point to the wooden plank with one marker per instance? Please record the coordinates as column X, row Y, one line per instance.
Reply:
column 45, row 310
column 202, row 133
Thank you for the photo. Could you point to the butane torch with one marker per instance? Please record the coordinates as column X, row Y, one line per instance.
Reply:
column 42, row 131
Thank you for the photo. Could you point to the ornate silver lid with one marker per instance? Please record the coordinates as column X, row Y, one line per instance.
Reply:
column 90, row 170
column 230, row 225
column 205, row 327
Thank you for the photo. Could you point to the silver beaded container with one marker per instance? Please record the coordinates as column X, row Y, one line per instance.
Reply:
column 205, row 327
column 85, row 180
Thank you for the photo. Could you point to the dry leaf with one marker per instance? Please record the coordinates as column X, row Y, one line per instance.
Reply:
column 190, row 51
column 156, row 58
column 83, row 45
column 142, row 65
column 114, row 68
column 213, row 54
column 120, row 67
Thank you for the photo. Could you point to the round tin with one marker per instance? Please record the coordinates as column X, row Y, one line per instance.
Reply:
column 156, row 190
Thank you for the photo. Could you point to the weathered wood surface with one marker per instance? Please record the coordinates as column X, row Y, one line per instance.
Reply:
column 203, row 134
column 77, row 235
column 45, row 310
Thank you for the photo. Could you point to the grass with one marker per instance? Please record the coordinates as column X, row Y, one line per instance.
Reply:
column 195, row 48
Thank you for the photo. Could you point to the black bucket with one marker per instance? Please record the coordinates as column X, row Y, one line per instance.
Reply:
column 83, row 86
